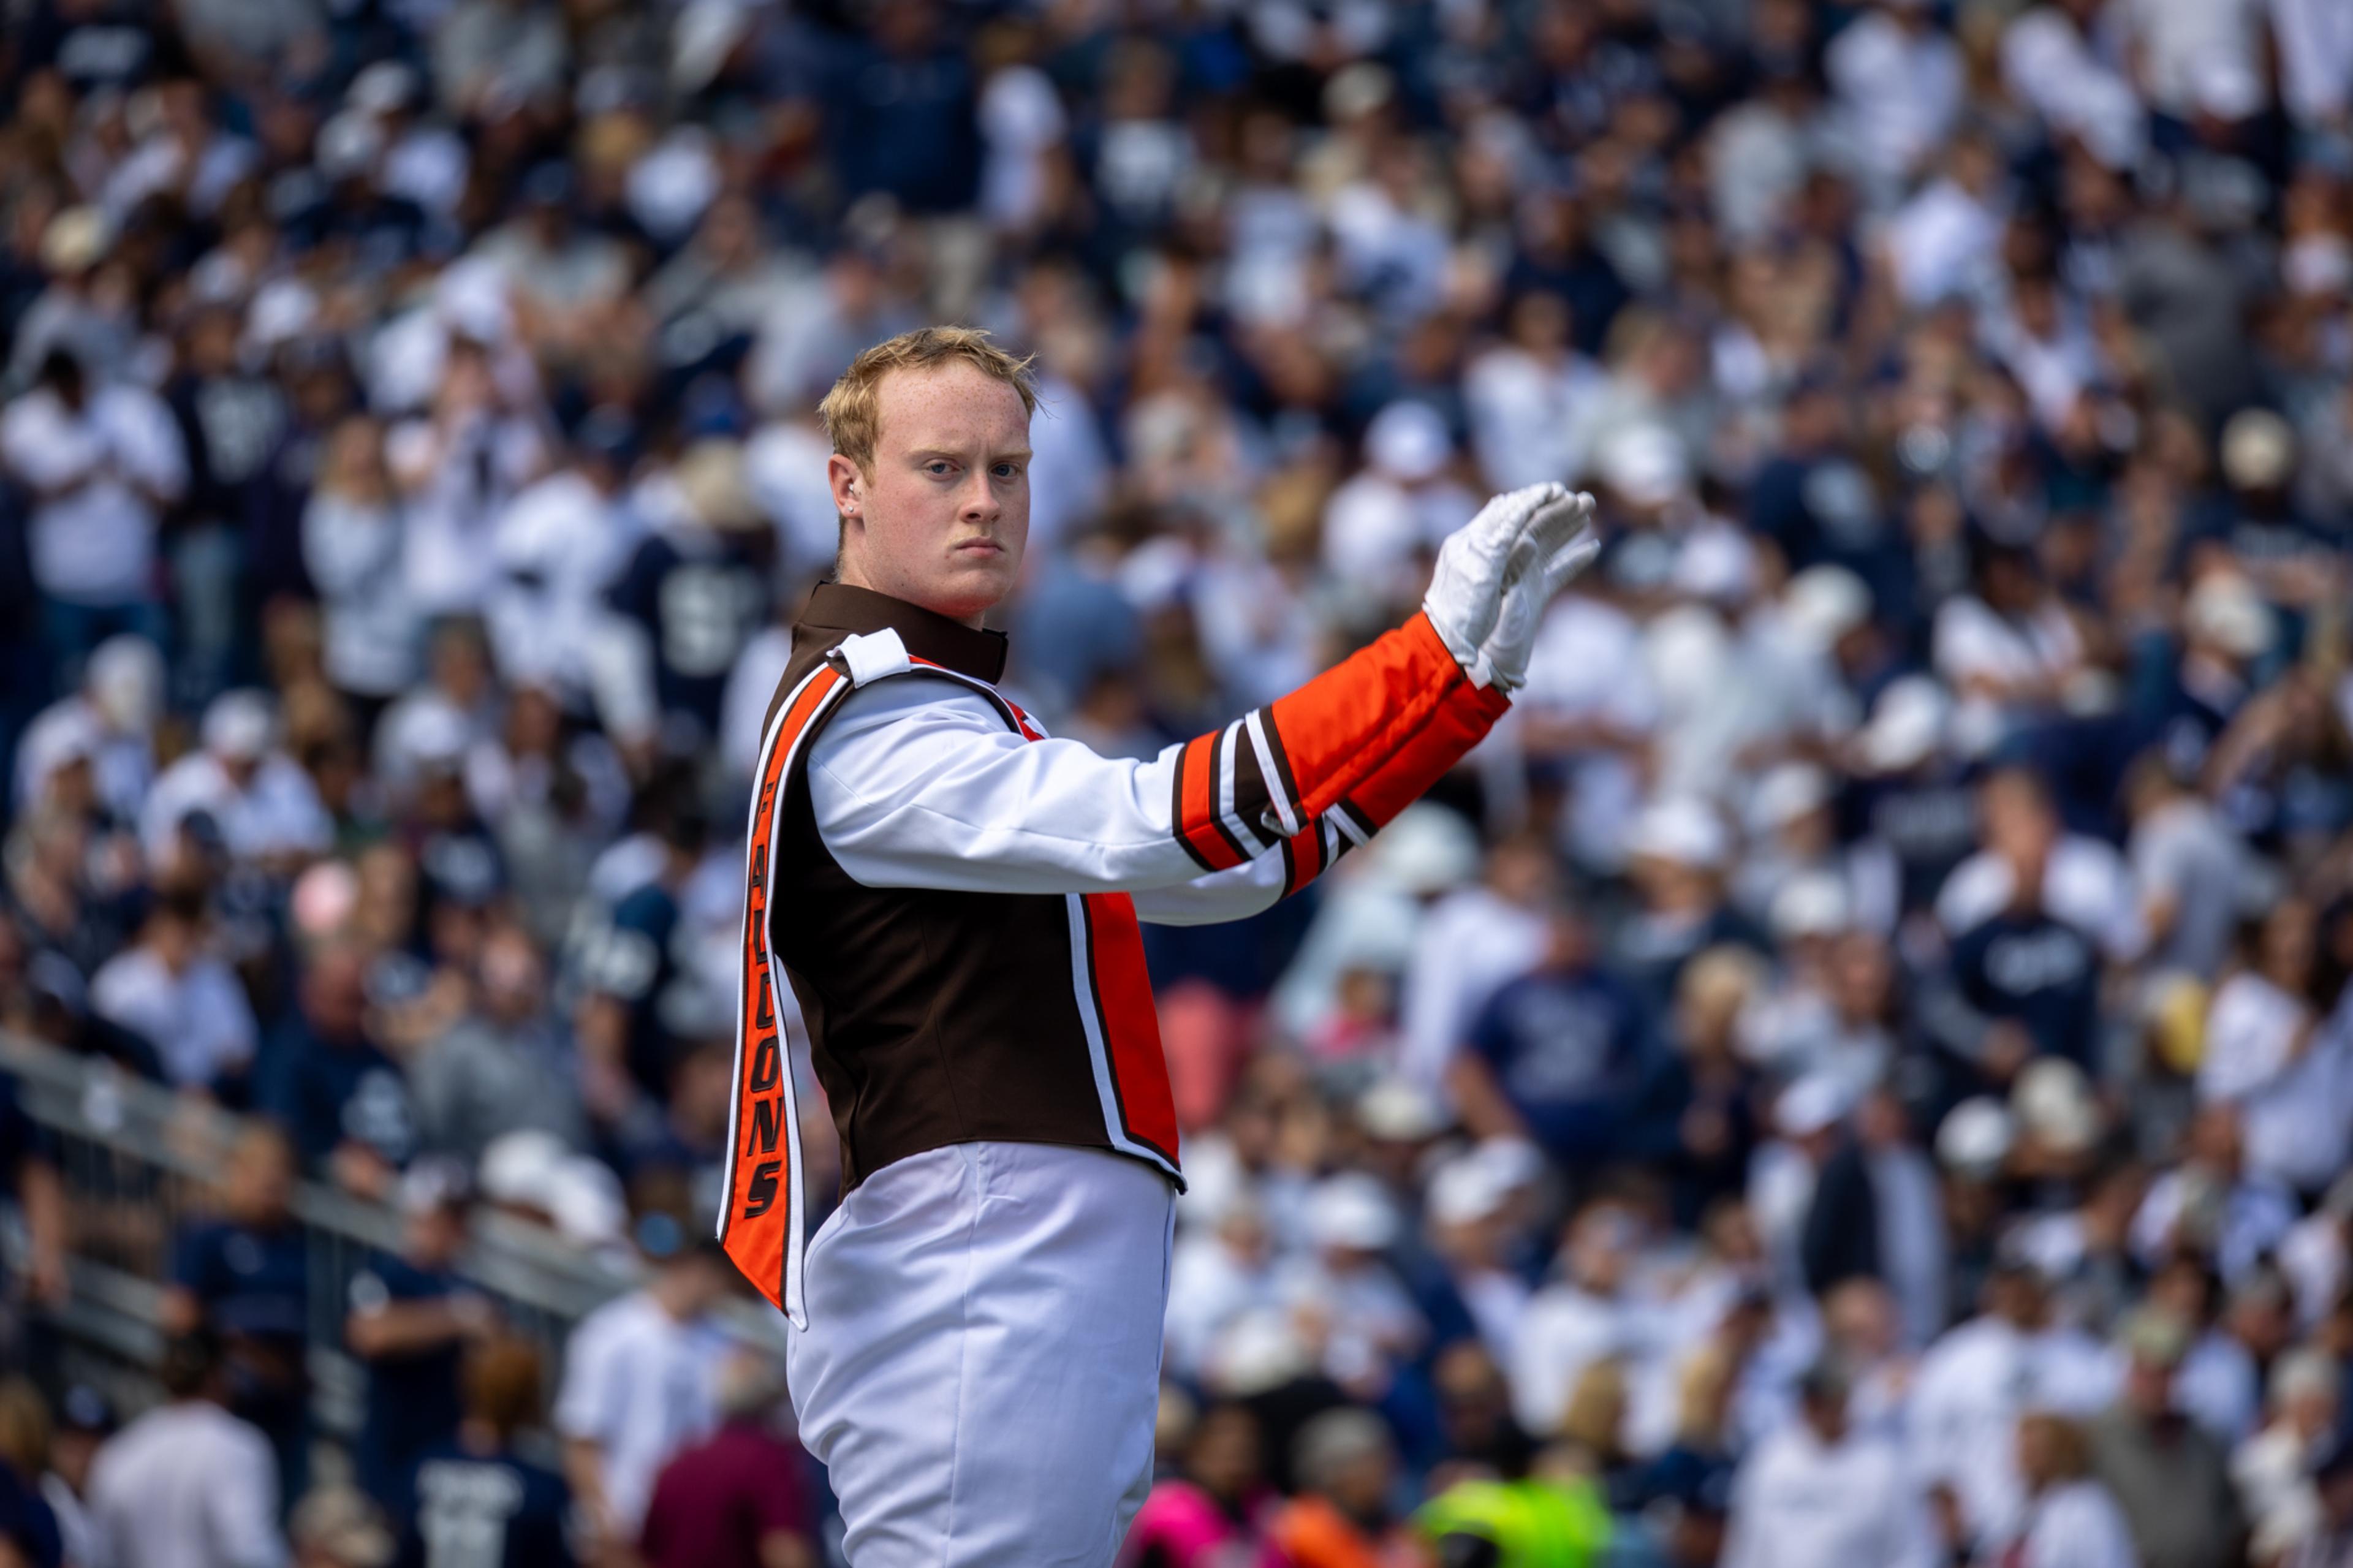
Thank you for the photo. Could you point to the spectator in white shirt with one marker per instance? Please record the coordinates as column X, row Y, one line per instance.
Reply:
column 2071, row 1520
column 262, row 804
column 108, row 721
column 188, row 1485
column 1588, row 1317
column 1471, row 944
column 2273, row 1469
column 1899, row 79
column 1978, row 1379
column 640, row 1385
column 2281, row 1054
column 178, row 996
column 2210, row 1205
column 352, row 545
column 102, row 465
column 1816, row 1492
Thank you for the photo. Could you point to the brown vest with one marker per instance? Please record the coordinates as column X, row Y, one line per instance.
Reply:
column 939, row 1017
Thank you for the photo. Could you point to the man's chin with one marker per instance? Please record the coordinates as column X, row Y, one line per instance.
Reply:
column 972, row 586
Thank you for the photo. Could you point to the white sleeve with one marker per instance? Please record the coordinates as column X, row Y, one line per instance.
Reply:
column 146, row 441
column 1235, row 893
column 581, row 1411
column 245, row 1509
column 917, row 785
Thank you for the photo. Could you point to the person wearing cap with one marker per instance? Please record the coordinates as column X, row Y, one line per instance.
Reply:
column 2192, row 871
column 1369, row 1321
column 188, row 1485
column 106, row 723
column 640, row 1384
column 2172, row 1479
column 1218, row 1274
column 471, row 1498
column 264, row 808
column 1402, row 502
column 410, row 1321
column 956, row 899
column 1677, row 857
column 560, row 544
column 696, row 588
column 2210, row 1205
column 1816, row 1491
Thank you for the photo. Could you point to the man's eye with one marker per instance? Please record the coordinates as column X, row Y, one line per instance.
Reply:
column 935, row 467
column 1007, row 470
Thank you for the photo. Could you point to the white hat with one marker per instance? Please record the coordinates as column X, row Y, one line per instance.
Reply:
column 240, row 725
column 1407, row 440
column 433, row 735
column 1519, row 1163
column 1716, row 563
column 1352, row 1211
column 1259, row 1350
column 283, row 309
column 76, row 238
column 1976, row 1137
column 1814, row 904
column 347, row 144
column 2052, row 1100
column 1815, row 1103
column 519, row 1168
column 2226, row 609
column 1428, row 849
column 1398, row 1110
column 1786, row 794
column 1825, row 603
column 125, row 682
column 382, row 88
column 1682, row 829
column 584, row 1199
column 2258, row 449
column 59, row 739
column 470, row 299
column 1907, row 724
column 1466, row 1190
column 1644, row 465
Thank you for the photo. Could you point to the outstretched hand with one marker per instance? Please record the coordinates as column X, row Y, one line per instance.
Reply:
column 1495, row 575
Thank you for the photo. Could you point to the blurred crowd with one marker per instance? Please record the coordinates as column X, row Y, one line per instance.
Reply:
column 1857, row 1070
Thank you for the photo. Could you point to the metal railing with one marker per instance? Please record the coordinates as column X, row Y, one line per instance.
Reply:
column 139, row 1162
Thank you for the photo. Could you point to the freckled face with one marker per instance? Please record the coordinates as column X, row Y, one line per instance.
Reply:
column 944, row 517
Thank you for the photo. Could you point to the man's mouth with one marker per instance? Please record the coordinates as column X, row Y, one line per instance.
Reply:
column 980, row 547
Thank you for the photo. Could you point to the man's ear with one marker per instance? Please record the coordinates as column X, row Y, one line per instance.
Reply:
column 846, row 483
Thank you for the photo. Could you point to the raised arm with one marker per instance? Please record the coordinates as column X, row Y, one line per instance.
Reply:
column 915, row 788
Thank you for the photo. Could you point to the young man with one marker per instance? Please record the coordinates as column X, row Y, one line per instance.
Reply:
column 954, row 900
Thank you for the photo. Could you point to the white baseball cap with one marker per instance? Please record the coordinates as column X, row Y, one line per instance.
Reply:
column 1683, row 830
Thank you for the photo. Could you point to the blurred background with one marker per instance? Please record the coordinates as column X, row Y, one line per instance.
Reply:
column 1854, row 1070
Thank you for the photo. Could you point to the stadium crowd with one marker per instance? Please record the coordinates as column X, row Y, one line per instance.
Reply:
column 1857, row 1070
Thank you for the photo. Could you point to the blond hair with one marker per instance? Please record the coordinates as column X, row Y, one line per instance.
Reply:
column 851, row 412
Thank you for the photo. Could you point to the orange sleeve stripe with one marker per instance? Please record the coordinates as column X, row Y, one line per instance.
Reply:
column 1196, row 807
column 1340, row 728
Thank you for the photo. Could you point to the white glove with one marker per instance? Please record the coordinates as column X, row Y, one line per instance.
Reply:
column 1466, row 589
column 1559, row 542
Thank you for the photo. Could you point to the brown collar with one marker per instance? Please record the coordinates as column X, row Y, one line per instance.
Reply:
column 968, row 650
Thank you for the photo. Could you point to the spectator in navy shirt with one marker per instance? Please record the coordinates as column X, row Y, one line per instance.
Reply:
column 246, row 1278
column 1555, row 1054
column 474, row 1502
column 342, row 1100
column 410, row 1321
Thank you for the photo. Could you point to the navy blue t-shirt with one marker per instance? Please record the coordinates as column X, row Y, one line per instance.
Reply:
column 255, row 1283
column 327, row 1094
column 1564, row 1049
column 2039, row 973
column 412, row 1400
column 470, row 1511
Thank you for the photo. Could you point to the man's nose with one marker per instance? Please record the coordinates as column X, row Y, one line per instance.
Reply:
column 978, row 501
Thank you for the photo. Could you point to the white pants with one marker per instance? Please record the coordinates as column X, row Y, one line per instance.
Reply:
column 981, row 1369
